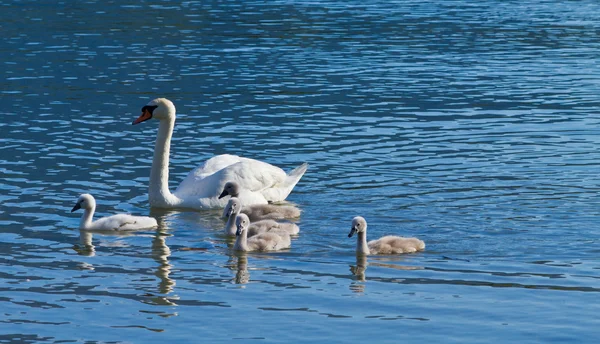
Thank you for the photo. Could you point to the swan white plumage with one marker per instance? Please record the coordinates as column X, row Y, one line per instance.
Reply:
column 232, row 210
column 268, row 241
column 390, row 244
column 119, row 222
column 201, row 188
column 248, row 197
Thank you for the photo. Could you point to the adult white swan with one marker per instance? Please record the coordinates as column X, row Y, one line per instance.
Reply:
column 201, row 188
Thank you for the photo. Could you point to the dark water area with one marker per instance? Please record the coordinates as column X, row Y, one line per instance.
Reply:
column 471, row 125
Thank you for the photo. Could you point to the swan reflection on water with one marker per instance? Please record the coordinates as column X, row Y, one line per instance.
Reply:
column 160, row 252
column 359, row 269
column 86, row 246
column 238, row 262
column 242, row 275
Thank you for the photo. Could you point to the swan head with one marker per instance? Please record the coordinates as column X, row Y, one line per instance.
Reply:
column 359, row 224
column 241, row 222
column 233, row 207
column 230, row 188
column 159, row 108
column 85, row 201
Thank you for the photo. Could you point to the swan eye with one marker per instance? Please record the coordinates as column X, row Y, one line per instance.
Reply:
column 149, row 108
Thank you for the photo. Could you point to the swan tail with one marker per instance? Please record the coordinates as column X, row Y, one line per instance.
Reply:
column 294, row 177
column 297, row 173
column 280, row 193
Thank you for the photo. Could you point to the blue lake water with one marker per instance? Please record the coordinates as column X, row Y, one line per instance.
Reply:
column 471, row 125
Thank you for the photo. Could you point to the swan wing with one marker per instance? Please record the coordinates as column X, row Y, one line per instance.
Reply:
column 254, row 175
column 208, row 179
column 210, row 167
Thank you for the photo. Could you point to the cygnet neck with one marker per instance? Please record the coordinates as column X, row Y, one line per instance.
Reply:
column 230, row 228
column 361, row 243
column 241, row 243
column 86, row 218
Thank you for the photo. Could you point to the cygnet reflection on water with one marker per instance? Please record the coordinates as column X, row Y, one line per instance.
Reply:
column 359, row 269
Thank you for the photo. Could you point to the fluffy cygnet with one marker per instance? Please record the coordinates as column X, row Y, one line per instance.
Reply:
column 258, row 212
column 269, row 211
column 233, row 208
column 119, row 222
column 390, row 244
column 268, row 241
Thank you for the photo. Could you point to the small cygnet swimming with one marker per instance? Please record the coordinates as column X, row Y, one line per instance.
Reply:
column 390, row 244
column 232, row 210
column 258, row 212
column 268, row 241
column 119, row 222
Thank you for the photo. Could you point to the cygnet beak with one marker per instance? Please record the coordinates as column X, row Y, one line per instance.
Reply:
column 352, row 231
column 76, row 207
column 239, row 230
column 223, row 194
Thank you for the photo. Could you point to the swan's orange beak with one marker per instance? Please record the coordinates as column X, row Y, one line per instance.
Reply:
column 146, row 115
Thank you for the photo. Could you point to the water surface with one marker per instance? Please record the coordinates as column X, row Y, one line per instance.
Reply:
column 473, row 126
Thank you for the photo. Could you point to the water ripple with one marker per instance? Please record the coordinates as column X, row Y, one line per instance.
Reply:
column 470, row 125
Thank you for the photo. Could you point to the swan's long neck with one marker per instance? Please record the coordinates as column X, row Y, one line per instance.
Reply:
column 230, row 225
column 86, row 218
column 241, row 243
column 361, row 243
column 158, row 193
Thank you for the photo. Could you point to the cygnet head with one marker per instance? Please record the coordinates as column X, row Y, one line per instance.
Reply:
column 230, row 188
column 85, row 201
column 159, row 108
column 233, row 207
column 359, row 224
column 241, row 222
